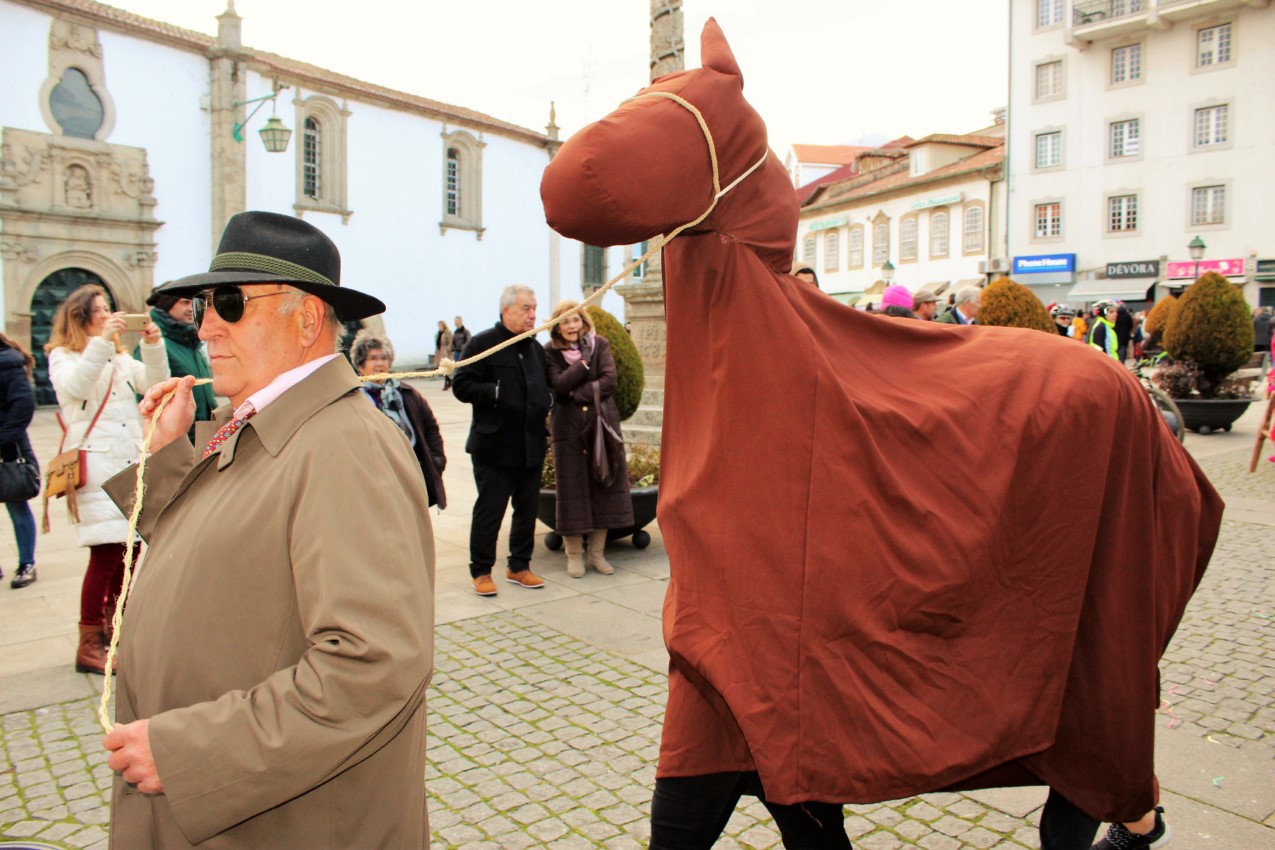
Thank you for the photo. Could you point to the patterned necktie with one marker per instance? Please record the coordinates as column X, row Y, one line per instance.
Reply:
column 225, row 432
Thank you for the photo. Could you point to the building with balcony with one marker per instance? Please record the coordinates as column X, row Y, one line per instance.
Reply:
column 933, row 208
column 1134, row 127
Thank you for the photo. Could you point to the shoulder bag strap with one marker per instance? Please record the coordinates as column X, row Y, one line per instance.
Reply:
column 109, row 389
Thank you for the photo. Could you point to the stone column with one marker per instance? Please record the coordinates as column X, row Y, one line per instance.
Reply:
column 229, row 86
column 644, row 302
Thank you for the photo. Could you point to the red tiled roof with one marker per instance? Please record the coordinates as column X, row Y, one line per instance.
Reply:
column 948, row 139
column 290, row 71
column 827, row 154
column 849, row 170
column 895, row 177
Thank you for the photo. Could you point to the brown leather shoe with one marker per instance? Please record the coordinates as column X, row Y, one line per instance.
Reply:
column 484, row 586
column 525, row 578
column 90, row 656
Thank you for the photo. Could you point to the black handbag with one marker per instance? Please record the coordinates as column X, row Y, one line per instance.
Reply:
column 19, row 479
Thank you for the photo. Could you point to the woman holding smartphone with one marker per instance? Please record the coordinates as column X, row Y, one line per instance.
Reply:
column 97, row 384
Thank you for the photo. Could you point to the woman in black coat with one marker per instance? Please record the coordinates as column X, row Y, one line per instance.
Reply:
column 17, row 406
column 372, row 355
column 579, row 361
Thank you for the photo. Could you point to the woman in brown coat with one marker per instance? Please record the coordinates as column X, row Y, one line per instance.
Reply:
column 578, row 361
column 443, row 348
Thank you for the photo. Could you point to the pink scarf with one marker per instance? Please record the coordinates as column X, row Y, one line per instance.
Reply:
column 572, row 354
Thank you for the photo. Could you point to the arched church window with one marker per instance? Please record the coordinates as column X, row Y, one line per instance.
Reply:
column 76, row 108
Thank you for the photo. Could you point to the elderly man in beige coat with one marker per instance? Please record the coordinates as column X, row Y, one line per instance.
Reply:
column 278, row 642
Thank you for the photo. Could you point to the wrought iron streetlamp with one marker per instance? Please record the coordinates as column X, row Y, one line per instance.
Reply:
column 275, row 134
column 1196, row 246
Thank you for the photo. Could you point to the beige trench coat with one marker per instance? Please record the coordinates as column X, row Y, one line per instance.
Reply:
column 280, row 634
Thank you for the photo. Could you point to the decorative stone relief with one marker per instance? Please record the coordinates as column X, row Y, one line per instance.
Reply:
column 68, row 202
column 68, row 35
column 15, row 251
column 21, row 166
column 79, row 188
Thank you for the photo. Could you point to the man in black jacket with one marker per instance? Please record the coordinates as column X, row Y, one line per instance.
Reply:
column 507, row 440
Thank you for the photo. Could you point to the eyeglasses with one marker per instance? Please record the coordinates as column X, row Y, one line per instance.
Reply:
column 228, row 301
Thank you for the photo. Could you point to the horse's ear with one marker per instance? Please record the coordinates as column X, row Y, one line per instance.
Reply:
column 715, row 52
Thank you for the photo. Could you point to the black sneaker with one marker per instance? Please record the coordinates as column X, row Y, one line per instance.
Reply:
column 1120, row 838
column 24, row 576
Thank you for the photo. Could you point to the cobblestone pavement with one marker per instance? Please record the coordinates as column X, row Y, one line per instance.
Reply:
column 539, row 740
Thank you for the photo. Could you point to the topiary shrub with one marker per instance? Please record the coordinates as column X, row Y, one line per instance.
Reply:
column 1158, row 319
column 630, row 378
column 1008, row 304
column 1212, row 328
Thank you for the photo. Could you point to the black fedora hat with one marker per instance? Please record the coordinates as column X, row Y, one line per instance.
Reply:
column 265, row 247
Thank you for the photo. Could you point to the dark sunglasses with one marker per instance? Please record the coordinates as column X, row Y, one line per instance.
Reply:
column 228, row 301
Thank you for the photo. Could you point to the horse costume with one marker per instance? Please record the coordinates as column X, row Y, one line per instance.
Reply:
column 902, row 557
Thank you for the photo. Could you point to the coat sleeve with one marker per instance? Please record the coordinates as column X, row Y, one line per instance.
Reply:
column 165, row 470
column 19, row 406
column 433, row 435
column 75, row 378
column 604, row 368
column 365, row 603
column 563, row 378
column 152, row 369
column 475, row 384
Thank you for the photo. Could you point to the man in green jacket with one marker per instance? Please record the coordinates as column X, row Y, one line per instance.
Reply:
column 175, row 318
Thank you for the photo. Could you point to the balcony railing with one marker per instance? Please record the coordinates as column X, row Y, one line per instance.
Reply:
column 1095, row 11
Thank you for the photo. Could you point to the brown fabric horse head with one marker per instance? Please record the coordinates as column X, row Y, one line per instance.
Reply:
column 645, row 169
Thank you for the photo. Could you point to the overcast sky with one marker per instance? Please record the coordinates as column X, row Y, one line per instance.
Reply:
column 818, row 71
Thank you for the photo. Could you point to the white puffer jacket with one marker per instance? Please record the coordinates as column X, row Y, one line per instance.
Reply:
column 82, row 379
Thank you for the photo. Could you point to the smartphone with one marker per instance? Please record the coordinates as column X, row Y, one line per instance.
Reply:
column 136, row 322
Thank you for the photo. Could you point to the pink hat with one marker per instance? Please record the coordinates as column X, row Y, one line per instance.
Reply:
column 898, row 295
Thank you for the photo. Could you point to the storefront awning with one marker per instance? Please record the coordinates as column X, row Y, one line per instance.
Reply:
column 847, row 298
column 1121, row 290
column 872, row 295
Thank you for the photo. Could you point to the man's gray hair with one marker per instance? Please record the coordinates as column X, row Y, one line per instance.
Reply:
column 365, row 342
column 331, row 321
column 969, row 293
column 510, row 296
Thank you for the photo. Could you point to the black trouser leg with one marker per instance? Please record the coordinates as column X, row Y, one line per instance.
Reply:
column 811, row 826
column 1065, row 827
column 495, row 485
column 522, row 528
column 690, row 812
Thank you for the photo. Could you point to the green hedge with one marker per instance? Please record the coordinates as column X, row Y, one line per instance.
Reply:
column 630, row 378
column 1212, row 328
column 1008, row 304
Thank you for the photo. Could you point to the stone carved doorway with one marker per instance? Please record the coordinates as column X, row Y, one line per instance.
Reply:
column 49, row 295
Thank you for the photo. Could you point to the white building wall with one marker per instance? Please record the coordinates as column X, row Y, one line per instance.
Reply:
column 1169, row 165
column 915, row 274
column 160, row 93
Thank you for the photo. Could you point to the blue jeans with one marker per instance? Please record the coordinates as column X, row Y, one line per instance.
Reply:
column 23, row 530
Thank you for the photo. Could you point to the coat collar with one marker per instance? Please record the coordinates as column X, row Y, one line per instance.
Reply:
column 275, row 425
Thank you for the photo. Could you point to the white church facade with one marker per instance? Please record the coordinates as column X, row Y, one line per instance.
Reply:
column 126, row 143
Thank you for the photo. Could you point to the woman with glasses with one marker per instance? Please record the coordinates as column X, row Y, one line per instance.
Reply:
column 582, row 374
column 372, row 355
column 97, row 385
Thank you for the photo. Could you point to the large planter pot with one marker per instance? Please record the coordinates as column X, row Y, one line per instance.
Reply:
column 645, row 500
column 1206, row 415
